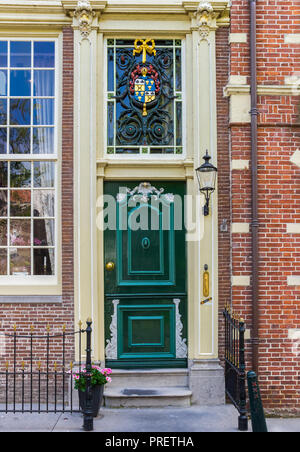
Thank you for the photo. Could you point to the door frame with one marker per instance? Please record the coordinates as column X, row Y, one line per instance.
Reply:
column 168, row 300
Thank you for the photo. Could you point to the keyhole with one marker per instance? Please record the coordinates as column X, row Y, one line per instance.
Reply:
column 146, row 243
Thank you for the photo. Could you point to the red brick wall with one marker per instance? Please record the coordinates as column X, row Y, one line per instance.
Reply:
column 279, row 200
column 56, row 315
column 222, row 67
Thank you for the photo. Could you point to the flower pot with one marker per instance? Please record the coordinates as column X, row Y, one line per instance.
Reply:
column 97, row 397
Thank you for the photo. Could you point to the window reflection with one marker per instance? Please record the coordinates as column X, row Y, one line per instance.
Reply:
column 3, row 232
column 20, row 232
column 20, row 174
column 43, row 112
column 3, row 262
column 3, row 140
column 3, row 203
column 43, row 262
column 44, row 54
column 20, row 112
column 43, row 83
column 3, row 83
column 20, row 83
column 43, row 174
column 3, row 53
column 19, row 142
column 3, row 111
column 27, row 187
column 3, row 174
column 20, row 54
column 43, row 140
column 20, row 261
column 20, row 203
column 43, row 203
column 43, row 233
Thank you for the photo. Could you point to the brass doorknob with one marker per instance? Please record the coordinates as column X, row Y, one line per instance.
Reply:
column 110, row 266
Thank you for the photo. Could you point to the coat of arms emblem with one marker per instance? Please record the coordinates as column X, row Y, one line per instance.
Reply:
column 144, row 80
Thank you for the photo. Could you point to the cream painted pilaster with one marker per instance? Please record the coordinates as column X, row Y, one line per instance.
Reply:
column 206, row 375
column 205, row 320
column 85, row 24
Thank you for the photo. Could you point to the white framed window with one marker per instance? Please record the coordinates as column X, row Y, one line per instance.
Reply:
column 145, row 103
column 28, row 159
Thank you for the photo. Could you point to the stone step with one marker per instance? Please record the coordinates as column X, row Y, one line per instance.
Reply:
column 141, row 378
column 130, row 397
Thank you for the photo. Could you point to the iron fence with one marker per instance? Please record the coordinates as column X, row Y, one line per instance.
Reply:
column 36, row 375
column 235, row 374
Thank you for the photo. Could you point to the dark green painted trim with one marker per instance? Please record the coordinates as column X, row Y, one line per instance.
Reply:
column 169, row 308
column 147, row 364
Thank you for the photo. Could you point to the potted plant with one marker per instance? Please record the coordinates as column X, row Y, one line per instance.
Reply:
column 99, row 378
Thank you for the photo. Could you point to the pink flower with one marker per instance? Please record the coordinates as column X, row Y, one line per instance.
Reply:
column 108, row 379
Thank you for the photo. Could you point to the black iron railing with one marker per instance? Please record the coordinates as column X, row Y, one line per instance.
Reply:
column 235, row 372
column 36, row 373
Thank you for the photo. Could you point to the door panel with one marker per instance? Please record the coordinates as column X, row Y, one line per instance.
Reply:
column 145, row 291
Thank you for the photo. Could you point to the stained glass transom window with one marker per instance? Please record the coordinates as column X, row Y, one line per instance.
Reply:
column 144, row 96
column 28, row 158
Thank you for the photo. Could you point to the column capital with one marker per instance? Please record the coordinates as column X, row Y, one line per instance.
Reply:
column 84, row 12
column 208, row 15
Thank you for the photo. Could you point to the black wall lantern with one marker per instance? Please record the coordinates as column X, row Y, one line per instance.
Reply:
column 207, row 175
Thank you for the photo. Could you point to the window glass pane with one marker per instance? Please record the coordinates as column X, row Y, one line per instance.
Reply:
column 20, row 83
column 143, row 85
column 20, row 261
column 3, row 83
column 3, row 174
column 20, row 54
column 110, row 123
column 178, row 70
column 19, row 140
column 178, row 124
column 20, row 174
column 3, row 262
column 43, row 140
column 20, row 203
column 3, row 111
column 43, row 203
column 43, row 83
column 44, row 54
column 3, row 141
column 20, row 112
column 20, row 232
column 43, row 112
column 3, row 53
column 110, row 69
column 3, row 231
column 27, row 187
column 43, row 233
column 3, row 203
column 43, row 174
column 44, row 263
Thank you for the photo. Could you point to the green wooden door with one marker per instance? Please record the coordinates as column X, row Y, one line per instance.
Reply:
column 145, row 275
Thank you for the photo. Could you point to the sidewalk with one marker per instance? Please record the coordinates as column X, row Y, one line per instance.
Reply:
column 195, row 419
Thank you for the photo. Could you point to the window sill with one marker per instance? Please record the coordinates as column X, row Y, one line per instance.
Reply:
column 35, row 286
column 29, row 299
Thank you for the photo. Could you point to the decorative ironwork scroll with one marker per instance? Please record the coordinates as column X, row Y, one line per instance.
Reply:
column 144, row 96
